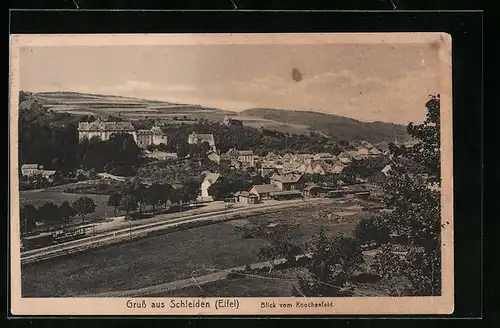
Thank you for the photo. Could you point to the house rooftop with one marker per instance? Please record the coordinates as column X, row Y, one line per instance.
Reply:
column 265, row 188
column 285, row 193
column 245, row 194
column 29, row 166
column 212, row 177
column 245, row 152
column 105, row 126
column 312, row 186
column 49, row 172
column 287, row 178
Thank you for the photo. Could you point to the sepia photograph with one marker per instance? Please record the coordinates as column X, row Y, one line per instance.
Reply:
column 211, row 174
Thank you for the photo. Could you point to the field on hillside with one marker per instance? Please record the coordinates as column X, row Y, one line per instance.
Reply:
column 338, row 127
column 174, row 256
column 133, row 108
column 257, row 123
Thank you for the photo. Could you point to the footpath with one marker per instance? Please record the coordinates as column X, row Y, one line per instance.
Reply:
column 215, row 275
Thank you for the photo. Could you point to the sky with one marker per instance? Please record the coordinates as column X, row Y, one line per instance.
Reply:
column 367, row 82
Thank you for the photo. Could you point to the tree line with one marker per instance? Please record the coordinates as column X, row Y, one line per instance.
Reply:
column 261, row 141
column 135, row 195
column 52, row 215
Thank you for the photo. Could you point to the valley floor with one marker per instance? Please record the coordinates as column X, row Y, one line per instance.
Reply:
column 174, row 256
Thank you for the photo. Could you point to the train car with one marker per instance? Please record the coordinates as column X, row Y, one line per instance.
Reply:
column 73, row 233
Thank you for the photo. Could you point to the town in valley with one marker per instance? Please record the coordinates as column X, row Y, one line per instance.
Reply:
column 123, row 195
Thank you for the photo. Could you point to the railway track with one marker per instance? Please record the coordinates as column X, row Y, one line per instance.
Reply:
column 151, row 229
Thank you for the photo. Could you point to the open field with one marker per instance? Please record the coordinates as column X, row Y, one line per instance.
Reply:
column 141, row 263
column 39, row 197
column 171, row 257
column 257, row 123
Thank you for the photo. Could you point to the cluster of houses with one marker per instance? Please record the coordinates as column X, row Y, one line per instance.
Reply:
column 238, row 159
column 281, row 187
column 320, row 163
column 284, row 169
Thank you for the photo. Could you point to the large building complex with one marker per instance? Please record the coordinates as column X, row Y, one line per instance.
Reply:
column 154, row 136
column 104, row 129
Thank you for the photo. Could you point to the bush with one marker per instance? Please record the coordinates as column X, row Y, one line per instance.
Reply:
column 303, row 261
column 369, row 278
column 247, row 235
column 372, row 231
column 235, row 275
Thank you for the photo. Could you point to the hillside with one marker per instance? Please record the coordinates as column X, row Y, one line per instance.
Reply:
column 337, row 127
column 96, row 104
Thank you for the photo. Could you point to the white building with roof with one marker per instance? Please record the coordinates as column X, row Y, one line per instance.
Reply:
column 103, row 129
column 154, row 136
column 30, row 169
column 210, row 179
column 263, row 191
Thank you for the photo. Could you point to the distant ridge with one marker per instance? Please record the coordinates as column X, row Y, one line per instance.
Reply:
column 282, row 120
column 335, row 126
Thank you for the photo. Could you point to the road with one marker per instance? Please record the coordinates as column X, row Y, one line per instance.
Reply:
column 145, row 230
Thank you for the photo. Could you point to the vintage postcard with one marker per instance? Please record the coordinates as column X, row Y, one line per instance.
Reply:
column 231, row 174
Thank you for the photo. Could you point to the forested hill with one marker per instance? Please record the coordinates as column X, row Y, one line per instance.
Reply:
column 337, row 127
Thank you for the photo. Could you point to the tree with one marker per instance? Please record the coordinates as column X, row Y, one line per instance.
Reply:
column 155, row 194
column 167, row 195
column 372, row 231
column 220, row 189
column 137, row 190
column 413, row 194
column 115, row 201
column 50, row 214
column 67, row 212
column 28, row 216
column 175, row 196
column 140, row 193
column 189, row 191
column 280, row 246
column 333, row 263
column 128, row 203
column 232, row 182
column 366, row 168
column 83, row 206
